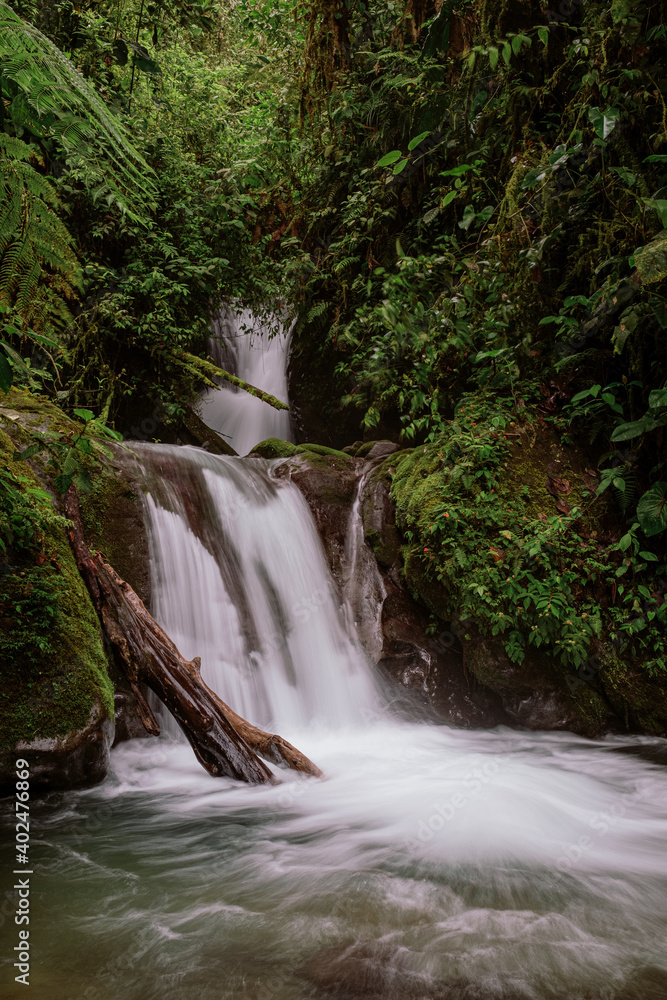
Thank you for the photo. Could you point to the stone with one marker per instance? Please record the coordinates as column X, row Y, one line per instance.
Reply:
column 76, row 760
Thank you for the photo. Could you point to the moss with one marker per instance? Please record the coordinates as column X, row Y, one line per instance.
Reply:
column 113, row 523
column 640, row 699
column 53, row 668
column 275, row 448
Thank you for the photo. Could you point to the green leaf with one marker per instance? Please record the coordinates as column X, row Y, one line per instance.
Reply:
column 660, row 206
column 493, row 57
column 84, row 415
column 652, row 510
column 626, row 540
column 400, row 166
column 417, row 139
column 23, row 456
column 543, row 35
column 468, row 217
column 448, row 199
column 626, row 432
column 389, row 158
column 648, row 556
column 604, row 122
column 507, row 53
column 651, row 259
column 657, row 399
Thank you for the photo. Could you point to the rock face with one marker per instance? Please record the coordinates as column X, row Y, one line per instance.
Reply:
column 77, row 759
column 350, row 497
column 467, row 678
column 56, row 683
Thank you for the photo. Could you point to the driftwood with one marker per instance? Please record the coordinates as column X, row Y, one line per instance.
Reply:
column 223, row 742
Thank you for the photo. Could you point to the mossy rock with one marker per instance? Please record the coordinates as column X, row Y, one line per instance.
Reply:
column 113, row 522
column 56, row 697
column 276, row 448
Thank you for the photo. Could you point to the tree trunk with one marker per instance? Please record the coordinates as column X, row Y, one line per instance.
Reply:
column 223, row 742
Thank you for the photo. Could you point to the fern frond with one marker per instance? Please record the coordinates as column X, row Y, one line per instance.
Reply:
column 63, row 102
column 33, row 238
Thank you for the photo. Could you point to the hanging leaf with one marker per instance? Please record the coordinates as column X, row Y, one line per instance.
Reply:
column 400, row 166
column 543, row 35
column 652, row 510
column 604, row 122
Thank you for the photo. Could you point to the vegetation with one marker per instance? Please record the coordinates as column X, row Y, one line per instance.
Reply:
column 463, row 203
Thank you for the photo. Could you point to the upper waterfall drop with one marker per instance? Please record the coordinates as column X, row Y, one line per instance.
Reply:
column 239, row 578
column 242, row 345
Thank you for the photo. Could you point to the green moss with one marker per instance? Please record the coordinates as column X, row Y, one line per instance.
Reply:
column 53, row 668
column 486, row 542
column 276, row 448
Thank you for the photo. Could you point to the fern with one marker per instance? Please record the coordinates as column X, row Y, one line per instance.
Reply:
column 33, row 238
column 53, row 100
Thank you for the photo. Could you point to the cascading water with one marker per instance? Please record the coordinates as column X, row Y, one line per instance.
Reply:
column 240, row 580
column 240, row 344
column 430, row 863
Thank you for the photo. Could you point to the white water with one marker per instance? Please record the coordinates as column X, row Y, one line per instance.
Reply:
column 240, row 345
column 465, row 865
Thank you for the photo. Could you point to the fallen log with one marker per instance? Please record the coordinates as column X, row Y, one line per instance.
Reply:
column 223, row 742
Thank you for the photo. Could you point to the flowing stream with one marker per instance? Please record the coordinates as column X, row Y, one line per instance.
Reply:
column 430, row 863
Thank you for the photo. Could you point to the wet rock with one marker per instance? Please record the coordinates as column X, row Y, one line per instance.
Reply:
column 128, row 724
column 75, row 760
column 329, row 484
column 112, row 515
column 391, row 625
column 530, row 696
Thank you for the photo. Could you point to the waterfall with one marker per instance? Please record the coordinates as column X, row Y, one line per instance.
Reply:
column 430, row 863
column 240, row 579
column 256, row 352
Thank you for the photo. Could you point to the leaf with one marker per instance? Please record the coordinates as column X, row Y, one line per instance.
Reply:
column 417, row 140
column 657, row 399
column 463, row 168
column 543, row 35
column 604, row 122
column 468, row 217
column 651, row 259
column 400, row 166
column 23, row 456
column 533, row 178
column 626, row 432
column 84, row 415
column 448, row 199
column 493, row 57
column 652, row 510
column 389, row 158
column 648, row 556
column 660, row 206
column 6, row 374
column 625, row 542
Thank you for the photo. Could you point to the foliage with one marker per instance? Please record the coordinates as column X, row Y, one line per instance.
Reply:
column 479, row 523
